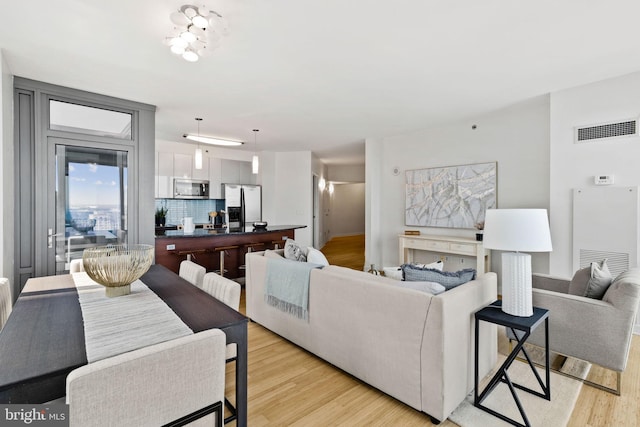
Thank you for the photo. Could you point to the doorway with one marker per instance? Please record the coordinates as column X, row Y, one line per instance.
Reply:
column 90, row 205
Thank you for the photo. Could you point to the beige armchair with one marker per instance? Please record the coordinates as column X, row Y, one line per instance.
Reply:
column 597, row 331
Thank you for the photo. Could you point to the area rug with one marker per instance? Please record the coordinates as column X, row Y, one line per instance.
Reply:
column 541, row 412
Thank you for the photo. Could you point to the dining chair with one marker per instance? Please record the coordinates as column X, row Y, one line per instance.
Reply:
column 192, row 272
column 228, row 292
column 168, row 384
column 76, row 266
column 6, row 303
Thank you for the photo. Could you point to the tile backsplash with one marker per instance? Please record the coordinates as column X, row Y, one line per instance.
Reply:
column 197, row 209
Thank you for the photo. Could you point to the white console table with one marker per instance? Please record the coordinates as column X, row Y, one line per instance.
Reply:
column 446, row 245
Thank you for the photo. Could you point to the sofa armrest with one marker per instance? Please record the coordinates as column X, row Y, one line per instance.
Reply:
column 550, row 283
column 586, row 328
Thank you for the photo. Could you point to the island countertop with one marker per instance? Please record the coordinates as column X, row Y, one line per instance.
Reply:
column 205, row 246
column 202, row 232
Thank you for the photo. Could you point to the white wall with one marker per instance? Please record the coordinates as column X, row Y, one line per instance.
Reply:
column 347, row 210
column 346, row 173
column 287, row 180
column 6, row 176
column 575, row 165
column 516, row 137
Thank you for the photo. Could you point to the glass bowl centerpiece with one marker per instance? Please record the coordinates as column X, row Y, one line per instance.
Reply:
column 117, row 266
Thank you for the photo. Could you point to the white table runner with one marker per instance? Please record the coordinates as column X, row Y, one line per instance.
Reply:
column 116, row 325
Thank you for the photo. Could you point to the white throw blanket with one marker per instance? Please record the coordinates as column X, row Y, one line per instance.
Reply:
column 287, row 286
column 116, row 325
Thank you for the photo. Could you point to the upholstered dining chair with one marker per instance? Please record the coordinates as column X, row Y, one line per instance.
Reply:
column 171, row 383
column 192, row 272
column 228, row 292
column 6, row 303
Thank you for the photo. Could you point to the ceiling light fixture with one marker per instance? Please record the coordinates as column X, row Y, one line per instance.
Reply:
column 212, row 141
column 198, row 156
column 255, row 162
column 196, row 32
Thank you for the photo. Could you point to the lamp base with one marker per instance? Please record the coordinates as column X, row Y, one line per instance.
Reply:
column 517, row 298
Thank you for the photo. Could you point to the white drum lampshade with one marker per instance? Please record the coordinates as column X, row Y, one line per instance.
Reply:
column 517, row 230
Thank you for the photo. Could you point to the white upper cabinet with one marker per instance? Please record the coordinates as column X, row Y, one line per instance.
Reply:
column 164, row 175
column 215, row 178
column 182, row 165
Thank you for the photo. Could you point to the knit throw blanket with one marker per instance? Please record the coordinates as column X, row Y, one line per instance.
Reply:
column 287, row 286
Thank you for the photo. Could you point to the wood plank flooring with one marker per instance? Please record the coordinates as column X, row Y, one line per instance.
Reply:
column 290, row 387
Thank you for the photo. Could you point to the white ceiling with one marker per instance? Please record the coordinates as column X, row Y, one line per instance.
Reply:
column 324, row 75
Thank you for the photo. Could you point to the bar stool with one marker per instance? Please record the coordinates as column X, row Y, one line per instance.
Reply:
column 276, row 244
column 223, row 250
column 249, row 247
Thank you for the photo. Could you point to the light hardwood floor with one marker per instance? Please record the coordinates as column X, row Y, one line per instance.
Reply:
column 289, row 386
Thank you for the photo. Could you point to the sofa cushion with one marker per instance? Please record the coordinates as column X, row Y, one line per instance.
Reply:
column 295, row 252
column 447, row 279
column 599, row 281
column 432, row 288
column 592, row 281
column 316, row 257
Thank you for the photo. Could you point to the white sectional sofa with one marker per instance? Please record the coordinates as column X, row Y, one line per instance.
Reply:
column 416, row 347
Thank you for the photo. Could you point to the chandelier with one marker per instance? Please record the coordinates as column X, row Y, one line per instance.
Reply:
column 196, row 32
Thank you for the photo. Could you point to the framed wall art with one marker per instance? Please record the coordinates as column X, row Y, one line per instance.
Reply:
column 450, row 196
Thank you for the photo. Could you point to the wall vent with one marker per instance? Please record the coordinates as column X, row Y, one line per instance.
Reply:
column 606, row 131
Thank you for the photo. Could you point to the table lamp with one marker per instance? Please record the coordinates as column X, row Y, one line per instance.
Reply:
column 517, row 230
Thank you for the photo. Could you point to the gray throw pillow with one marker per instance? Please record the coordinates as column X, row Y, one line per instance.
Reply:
column 578, row 284
column 294, row 251
column 447, row 279
column 599, row 281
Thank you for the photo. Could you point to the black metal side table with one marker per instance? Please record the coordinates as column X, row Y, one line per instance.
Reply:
column 521, row 327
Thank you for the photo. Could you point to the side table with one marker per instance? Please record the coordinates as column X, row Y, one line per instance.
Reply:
column 524, row 325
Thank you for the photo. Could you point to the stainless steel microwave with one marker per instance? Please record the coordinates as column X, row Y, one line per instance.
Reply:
column 190, row 189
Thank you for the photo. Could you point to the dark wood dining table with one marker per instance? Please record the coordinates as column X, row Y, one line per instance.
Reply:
column 43, row 339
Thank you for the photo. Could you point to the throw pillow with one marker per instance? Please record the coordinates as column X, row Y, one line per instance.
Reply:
column 447, row 279
column 270, row 253
column 599, row 281
column 578, row 284
column 437, row 265
column 316, row 257
column 432, row 288
column 294, row 251
column 393, row 272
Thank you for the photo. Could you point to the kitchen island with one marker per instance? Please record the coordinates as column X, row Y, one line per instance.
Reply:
column 174, row 246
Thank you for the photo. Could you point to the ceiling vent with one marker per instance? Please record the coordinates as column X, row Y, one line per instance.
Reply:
column 606, row 131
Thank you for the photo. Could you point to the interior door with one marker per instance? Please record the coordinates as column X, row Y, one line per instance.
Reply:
column 87, row 200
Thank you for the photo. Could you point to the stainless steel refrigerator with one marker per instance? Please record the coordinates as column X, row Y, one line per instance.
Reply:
column 243, row 205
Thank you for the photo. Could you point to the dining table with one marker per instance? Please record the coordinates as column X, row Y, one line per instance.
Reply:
column 43, row 339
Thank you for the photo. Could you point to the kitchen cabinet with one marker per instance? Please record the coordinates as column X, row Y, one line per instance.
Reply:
column 182, row 165
column 215, row 178
column 164, row 175
column 237, row 172
column 203, row 173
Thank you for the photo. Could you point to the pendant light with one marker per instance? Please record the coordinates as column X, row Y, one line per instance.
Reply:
column 198, row 156
column 255, row 162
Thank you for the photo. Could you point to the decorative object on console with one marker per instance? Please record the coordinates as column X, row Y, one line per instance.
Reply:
column 196, row 32
column 117, row 266
column 517, row 230
column 479, row 227
column 433, row 196
column 255, row 162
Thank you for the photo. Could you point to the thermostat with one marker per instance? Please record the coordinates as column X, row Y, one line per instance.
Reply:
column 603, row 179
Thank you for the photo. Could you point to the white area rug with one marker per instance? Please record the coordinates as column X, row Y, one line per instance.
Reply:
column 541, row 412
